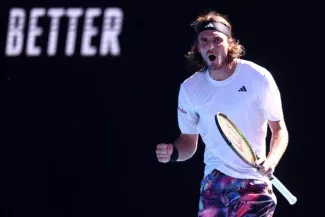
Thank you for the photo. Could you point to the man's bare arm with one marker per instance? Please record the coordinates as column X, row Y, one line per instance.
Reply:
column 279, row 141
column 186, row 145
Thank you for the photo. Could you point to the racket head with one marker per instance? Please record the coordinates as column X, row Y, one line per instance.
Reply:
column 235, row 139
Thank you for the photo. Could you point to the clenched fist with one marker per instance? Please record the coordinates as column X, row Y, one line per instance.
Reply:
column 164, row 152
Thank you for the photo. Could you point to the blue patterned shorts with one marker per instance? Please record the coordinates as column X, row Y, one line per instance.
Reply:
column 225, row 196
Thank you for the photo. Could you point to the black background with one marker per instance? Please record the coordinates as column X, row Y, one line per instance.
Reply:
column 80, row 132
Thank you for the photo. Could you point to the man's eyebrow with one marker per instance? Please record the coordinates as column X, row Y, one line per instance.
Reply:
column 213, row 37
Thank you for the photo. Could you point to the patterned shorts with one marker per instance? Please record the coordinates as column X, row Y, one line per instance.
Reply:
column 225, row 196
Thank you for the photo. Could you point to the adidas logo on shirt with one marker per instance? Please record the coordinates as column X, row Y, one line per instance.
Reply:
column 242, row 89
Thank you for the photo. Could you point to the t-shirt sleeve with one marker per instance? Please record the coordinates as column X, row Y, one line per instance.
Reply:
column 187, row 117
column 270, row 99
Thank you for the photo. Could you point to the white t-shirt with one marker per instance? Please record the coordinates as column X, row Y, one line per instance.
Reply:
column 249, row 97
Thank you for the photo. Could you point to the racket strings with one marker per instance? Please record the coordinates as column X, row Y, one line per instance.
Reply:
column 235, row 137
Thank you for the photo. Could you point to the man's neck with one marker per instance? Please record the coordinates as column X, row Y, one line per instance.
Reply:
column 224, row 72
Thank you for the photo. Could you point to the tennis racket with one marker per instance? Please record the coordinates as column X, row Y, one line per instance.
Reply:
column 237, row 141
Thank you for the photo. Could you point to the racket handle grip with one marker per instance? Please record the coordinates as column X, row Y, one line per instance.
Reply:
column 283, row 190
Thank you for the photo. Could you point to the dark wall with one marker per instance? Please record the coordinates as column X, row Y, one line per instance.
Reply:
column 80, row 131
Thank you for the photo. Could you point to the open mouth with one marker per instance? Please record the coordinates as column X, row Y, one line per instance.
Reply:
column 212, row 57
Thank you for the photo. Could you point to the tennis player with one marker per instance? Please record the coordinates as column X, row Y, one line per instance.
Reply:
column 248, row 94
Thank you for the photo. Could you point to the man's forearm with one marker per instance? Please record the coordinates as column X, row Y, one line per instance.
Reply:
column 278, row 145
column 186, row 147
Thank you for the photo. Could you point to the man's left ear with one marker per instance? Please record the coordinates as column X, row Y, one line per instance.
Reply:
column 230, row 42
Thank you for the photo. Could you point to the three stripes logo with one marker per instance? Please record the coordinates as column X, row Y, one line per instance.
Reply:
column 242, row 89
column 209, row 25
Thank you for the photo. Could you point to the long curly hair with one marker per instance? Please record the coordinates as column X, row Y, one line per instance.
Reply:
column 236, row 50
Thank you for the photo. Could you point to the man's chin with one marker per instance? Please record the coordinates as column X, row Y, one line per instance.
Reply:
column 214, row 66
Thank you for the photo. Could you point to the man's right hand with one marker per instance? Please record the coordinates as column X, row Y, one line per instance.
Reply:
column 163, row 152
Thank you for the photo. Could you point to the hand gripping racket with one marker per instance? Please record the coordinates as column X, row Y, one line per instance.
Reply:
column 237, row 141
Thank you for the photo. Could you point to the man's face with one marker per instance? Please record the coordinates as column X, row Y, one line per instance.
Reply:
column 213, row 46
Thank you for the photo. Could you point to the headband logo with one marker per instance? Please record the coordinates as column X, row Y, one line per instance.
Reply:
column 209, row 25
column 213, row 25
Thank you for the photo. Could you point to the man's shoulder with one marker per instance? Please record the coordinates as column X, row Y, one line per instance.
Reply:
column 252, row 67
column 192, row 84
column 194, row 79
column 257, row 73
